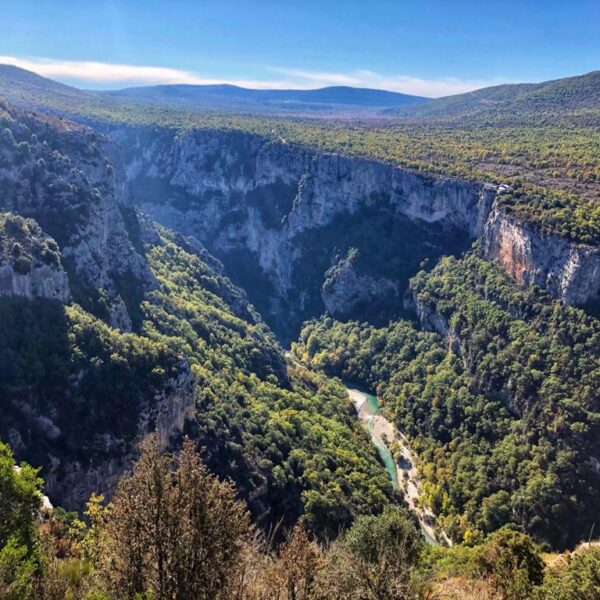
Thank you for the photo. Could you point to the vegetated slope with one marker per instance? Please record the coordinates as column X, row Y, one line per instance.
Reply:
column 289, row 439
column 328, row 99
column 500, row 400
column 525, row 99
column 20, row 86
column 78, row 390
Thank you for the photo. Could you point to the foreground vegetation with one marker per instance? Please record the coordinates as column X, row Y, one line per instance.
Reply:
column 174, row 531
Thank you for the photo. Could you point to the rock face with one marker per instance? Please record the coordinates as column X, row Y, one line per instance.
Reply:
column 345, row 292
column 42, row 281
column 71, row 483
column 171, row 408
column 569, row 271
column 63, row 176
column 243, row 195
column 30, row 262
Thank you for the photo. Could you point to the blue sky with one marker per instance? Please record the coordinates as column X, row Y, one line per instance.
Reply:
column 429, row 47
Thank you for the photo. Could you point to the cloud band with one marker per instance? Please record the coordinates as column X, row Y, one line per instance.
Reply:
column 100, row 74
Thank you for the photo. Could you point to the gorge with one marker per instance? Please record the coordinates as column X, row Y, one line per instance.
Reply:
column 262, row 207
column 153, row 274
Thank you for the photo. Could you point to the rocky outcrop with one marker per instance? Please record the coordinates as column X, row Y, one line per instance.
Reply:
column 41, row 281
column 530, row 255
column 171, row 407
column 30, row 262
column 70, row 482
column 345, row 291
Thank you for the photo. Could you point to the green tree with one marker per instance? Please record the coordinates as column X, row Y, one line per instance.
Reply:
column 578, row 578
column 20, row 498
column 384, row 551
column 513, row 562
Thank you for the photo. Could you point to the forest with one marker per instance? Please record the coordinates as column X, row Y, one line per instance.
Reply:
column 501, row 402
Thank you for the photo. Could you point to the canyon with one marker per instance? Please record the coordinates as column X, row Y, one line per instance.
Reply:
column 284, row 218
column 294, row 231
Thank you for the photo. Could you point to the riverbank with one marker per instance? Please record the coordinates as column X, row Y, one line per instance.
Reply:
column 403, row 473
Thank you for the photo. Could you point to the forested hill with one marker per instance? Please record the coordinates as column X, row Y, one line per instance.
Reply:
column 229, row 97
column 525, row 100
column 22, row 86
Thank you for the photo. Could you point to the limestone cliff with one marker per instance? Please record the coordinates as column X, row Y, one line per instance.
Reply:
column 530, row 255
column 70, row 483
column 260, row 206
column 61, row 174
column 30, row 261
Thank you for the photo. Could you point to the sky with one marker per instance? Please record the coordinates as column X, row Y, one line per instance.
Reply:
column 427, row 47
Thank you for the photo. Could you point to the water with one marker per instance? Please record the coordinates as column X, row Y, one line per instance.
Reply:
column 371, row 407
column 368, row 410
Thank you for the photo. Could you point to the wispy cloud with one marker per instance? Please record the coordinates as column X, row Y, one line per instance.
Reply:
column 106, row 74
column 101, row 74
column 433, row 88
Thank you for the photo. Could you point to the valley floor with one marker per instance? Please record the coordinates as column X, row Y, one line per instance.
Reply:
column 403, row 471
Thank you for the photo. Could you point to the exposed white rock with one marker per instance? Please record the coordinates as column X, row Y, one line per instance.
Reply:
column 218, row 186
column 42, row 281
column 235, row 192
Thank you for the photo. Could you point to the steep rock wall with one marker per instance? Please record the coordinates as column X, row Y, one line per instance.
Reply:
column 64, row 176
column 30, row 264
column 241, row 193
column 260, row 203
column 569, row 271
column 70, row 482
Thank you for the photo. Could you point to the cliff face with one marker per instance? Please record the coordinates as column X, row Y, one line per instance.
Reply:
column 165, row 414
column 30, row 261
column 569, row 271
column 63, row 176
column 244, row 196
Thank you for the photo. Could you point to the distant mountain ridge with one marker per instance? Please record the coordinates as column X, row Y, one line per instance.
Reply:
column 231, row 96
column 17, row 83
column 509, row 101
column 25, row 87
